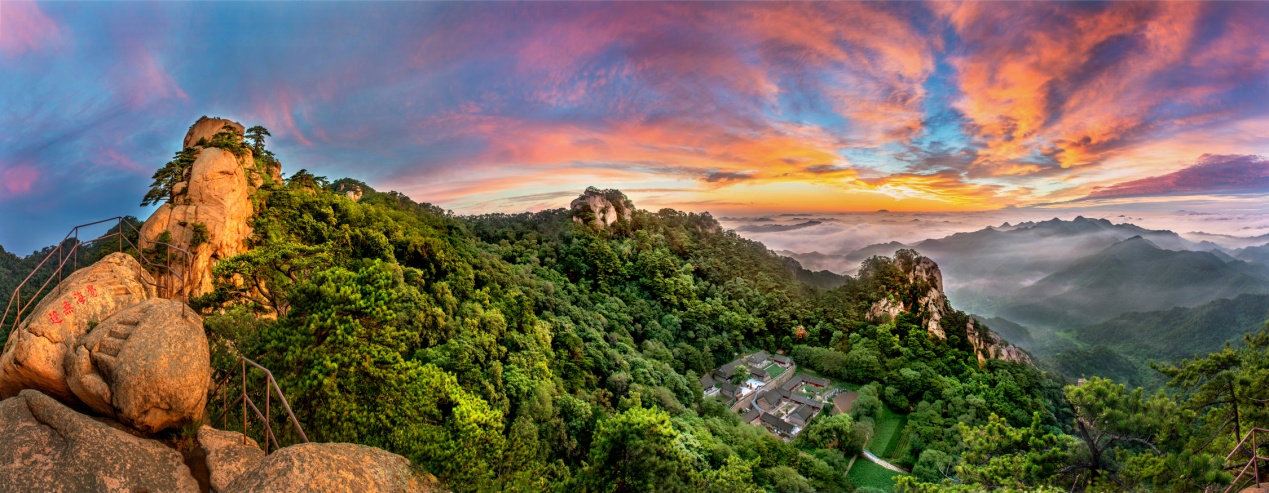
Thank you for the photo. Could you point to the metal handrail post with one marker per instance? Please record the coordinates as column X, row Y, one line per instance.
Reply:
column 244, row 402
column 268, row 425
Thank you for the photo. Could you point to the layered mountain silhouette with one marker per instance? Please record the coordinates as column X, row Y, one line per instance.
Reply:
column 1131, row 275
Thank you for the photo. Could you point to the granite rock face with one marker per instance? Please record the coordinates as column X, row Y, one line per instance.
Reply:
column 332, row 467
column 206, row 128
column 228, row 455
column 34, row 355
column 46, row 446
column 209, row 219
column 921, row 293
column 147, row 366
column 596, row 209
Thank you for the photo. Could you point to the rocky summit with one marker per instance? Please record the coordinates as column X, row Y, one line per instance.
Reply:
column 208, row 216
column 919, row 291
column 601, row 208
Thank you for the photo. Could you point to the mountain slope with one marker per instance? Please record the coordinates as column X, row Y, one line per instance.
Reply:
column 1180, row 332
column 1132, row 275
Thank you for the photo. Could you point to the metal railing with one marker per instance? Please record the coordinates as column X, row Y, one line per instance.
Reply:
column 271, row 388
column 1253, row 465
column 68, row 256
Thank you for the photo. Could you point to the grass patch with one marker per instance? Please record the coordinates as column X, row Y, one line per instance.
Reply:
column 886, row 436
column 865, row 473
column 901, row 450
column 775, row 370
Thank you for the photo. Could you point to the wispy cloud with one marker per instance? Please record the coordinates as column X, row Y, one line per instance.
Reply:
column 1211, row 174
column 25, row 28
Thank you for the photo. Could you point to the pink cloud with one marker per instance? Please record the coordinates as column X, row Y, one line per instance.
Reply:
column 1213, row 173
column 276, row 110
column 114, row 159
column 19, row 179
column 150, row 81
column 25, row 28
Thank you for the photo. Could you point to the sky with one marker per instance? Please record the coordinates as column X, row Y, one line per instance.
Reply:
column 988, row 109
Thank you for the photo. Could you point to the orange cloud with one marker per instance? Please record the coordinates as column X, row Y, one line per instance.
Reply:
column 1070, row 82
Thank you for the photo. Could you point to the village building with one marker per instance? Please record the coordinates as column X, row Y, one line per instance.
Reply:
column 758, row 359
column 802, row 415
column 778, row 426
column 728, row 370
column 709, row 385
column 727, row 389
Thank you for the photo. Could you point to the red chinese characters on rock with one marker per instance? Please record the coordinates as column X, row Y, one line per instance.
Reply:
column 67, row 309
column 92, row 291
column 79, row 297
column 54, row 317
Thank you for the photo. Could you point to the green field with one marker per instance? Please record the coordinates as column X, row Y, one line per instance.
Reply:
column 888, row 433
column 775, row 370
column 865, row 473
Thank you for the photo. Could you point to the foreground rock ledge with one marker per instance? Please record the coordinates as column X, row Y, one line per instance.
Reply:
column 45, row 446
column 228, row 455
column 333, row 467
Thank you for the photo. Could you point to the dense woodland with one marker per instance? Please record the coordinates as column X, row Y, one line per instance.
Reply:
column 529, row 352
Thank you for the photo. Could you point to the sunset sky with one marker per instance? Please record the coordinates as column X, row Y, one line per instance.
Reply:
column 734, row 108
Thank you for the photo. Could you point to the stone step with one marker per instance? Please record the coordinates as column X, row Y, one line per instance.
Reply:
column 119, row 333
column 110, row 346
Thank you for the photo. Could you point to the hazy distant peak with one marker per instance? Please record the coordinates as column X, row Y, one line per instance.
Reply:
column 1134, row 243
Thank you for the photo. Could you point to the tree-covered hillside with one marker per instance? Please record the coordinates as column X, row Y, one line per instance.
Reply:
column 531, row 352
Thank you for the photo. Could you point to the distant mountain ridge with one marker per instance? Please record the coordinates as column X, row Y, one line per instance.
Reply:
column 1132, row 275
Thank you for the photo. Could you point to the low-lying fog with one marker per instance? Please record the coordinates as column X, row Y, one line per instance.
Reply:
column 1230, row 224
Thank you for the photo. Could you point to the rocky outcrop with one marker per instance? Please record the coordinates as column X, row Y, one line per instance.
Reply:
column 206, row 128
column 228, row 455
column 209, row 218
column 921, row 293
column 351, row 190
column 147, row 366
column 332, row 467
column 989, row 345
column 922, row 281
column 601, row 208
column 46, row 446
column 34, row 355
column 884, row 309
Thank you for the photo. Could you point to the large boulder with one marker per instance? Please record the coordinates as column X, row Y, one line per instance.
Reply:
column 208, row 218
column 228, row 454
column 147, row 366
column 206, row 128
column 332, row 467
column 34, row 354
column 45, row 446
